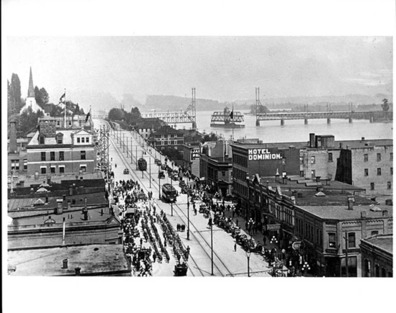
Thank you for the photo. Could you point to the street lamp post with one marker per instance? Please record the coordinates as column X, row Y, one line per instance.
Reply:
column 171, row 202
column 306, row 267
column 248, row 262
column 211, row 243
column 159, row 183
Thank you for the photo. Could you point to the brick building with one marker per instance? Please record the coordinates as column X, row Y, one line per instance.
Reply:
column 166, row 137
column 263, row 159
column 322, row 217
column 364, row 163
column 55, row 151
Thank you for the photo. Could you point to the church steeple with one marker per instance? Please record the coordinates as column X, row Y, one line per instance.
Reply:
column 31, row 88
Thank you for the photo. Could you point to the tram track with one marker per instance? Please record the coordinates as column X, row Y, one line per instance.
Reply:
column 225, row 271
column 125, row 162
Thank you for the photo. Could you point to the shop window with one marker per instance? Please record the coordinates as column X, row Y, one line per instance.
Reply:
column 332, row 240
column 352, row 266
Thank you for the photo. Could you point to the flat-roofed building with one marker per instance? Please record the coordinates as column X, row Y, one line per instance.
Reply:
column 317, row 221
column 377, row 255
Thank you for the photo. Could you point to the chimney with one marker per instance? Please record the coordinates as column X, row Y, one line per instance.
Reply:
column 363, row 138
column 13, row 139
column 59, row 209
column 351, row 200
column 65, row 263
column 312, row 140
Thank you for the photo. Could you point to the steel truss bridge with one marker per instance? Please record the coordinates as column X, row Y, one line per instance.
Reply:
column 350, row 115
column 187, row 116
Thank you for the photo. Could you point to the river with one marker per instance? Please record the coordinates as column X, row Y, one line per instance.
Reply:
column 296, row 130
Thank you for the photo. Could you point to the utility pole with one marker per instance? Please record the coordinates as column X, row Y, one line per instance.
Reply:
column 346, row 253
column 188, row 218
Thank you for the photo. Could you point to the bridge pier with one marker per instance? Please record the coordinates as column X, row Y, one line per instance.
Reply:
column 282, row 122
column 305, row 121
column 328, row 120
column 257, row 122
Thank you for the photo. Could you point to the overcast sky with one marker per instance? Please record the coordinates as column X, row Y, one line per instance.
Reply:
column 220, row 68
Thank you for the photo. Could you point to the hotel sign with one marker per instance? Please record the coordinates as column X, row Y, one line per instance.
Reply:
column 263, row 154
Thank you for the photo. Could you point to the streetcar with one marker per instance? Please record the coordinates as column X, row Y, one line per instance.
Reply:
column 169, row 193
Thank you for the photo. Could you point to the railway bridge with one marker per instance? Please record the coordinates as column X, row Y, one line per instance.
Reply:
column 373, row 116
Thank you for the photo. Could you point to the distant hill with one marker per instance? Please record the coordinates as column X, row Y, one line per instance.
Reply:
column 175, row 103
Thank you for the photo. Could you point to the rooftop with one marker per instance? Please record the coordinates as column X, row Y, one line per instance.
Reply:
column 72, row 217
column 352, row 144
column 92, row 259
column 383, row 242
column 341, row 212
column 38, row 204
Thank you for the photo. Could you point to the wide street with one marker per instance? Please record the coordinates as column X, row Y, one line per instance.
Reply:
column 226, row 261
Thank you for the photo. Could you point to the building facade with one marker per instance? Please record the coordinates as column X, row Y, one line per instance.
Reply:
column 166, row 137
column 364, row 163
column 55, row 151
column 264, row 160
column 377, row 256
column 320, row 223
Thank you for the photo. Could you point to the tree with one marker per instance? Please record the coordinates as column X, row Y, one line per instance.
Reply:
column 27, row 121
column 116, row 114
column 135, row 114
column 41, row 96
column 14, row 94
column 385, row 105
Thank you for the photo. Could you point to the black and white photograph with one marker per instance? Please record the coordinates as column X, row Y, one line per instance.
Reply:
column 181, row 165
